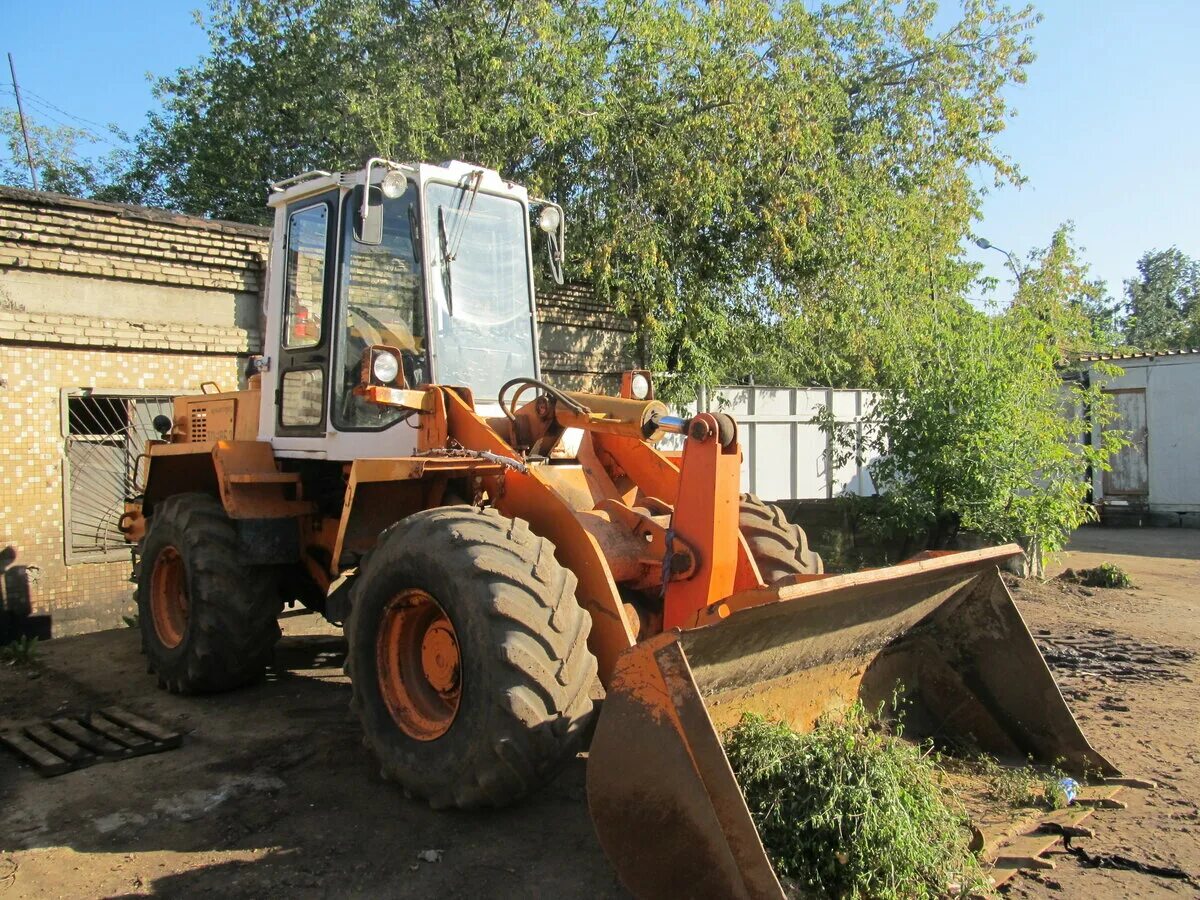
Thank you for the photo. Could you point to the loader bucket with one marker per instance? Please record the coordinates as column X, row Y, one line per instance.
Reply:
column 666, row 806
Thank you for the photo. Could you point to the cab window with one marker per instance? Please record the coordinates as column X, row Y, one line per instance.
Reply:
column 382, row 303
column 305, row 289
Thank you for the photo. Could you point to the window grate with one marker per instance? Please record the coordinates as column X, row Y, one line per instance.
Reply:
column 105, row 434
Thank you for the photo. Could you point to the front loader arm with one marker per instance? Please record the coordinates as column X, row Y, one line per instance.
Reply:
column 706, row 518
column 626, row 517
column 531, row 497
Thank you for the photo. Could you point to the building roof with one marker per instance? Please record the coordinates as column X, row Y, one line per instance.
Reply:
column 131, row 211
column 1138, row 354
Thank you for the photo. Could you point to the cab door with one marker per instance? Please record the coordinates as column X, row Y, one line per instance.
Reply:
column 310, row 242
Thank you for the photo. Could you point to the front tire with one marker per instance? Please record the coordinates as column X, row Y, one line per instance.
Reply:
column 468, row 657
column 208, row 622
column 779, row 548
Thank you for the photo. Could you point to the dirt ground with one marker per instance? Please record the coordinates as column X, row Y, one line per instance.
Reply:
column 1141, row 713
column 273, row 794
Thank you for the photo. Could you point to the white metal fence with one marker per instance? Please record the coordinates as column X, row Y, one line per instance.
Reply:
column 786, row 454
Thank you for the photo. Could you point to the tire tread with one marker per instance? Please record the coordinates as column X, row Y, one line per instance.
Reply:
column 234, row 608
column 779, row 547
column 541, row 667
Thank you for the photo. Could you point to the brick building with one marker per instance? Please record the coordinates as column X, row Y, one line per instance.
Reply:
column 108, row 311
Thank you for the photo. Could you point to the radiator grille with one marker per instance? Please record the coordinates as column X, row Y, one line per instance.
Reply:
column 198, row 424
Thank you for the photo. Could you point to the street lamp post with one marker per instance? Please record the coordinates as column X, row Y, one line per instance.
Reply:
column 985, row 244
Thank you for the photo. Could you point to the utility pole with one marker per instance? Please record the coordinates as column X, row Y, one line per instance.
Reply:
column 24, row 128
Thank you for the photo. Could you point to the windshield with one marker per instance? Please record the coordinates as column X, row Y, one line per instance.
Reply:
column 479, row 288
column 382, row 303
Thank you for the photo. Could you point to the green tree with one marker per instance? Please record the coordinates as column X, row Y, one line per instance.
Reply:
column 58, row 156
column 1162, row 304
column 981, row 431
column 1057, row 287
column 757, row 182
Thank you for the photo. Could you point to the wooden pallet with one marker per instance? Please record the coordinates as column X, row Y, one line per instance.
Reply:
column 1025, row 848
column 61, row 745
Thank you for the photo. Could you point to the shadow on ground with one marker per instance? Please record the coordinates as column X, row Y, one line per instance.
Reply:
column 271, row 790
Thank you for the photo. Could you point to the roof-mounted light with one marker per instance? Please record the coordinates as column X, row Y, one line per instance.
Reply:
column 394, row 184
column 549, row 219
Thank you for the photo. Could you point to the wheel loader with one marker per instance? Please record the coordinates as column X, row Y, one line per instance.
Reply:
column 492, row 544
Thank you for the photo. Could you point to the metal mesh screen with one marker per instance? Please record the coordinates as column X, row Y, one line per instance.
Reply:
column 105, row 435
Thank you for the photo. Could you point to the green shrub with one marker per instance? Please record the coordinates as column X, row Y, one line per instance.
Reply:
column 21, row 652
column 1106, row 575
column 850, row 810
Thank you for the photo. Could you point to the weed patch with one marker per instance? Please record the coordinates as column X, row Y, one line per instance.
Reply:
column 852, row 810
column 1023, row 786
column 1105, row 575
column 21, row 652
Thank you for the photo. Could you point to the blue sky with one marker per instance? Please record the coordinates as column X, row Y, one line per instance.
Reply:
column 1106, row 133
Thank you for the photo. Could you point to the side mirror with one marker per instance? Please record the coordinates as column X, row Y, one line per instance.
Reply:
column 552, row 223
column 368, row 219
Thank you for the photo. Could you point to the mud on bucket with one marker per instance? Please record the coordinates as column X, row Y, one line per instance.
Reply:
column 667, row 809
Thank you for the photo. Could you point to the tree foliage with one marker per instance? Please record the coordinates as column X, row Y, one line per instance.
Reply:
column 757, row 182
column 771, row 188
column 981, row 432
column 59, row 156
column 1162, row 304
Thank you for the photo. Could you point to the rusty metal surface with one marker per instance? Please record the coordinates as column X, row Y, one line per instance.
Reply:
column 381, row 490
column 132, row 523
column 401, row 468
column 945, row 628
column 667, row 809
column 207, row 418
column 184, row 449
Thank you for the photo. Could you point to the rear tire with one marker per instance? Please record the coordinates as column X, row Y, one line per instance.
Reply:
column 488, row 591
column 779, row 548
column 208, row 622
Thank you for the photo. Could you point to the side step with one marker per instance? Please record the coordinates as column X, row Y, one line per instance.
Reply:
column 61, row 745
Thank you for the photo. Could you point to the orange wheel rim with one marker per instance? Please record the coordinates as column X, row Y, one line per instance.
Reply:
column 419, row 665
column 168, row 597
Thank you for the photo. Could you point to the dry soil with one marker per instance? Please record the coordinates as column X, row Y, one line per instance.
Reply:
column 273, row 794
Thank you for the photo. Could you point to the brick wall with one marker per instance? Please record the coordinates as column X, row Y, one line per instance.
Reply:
column 85, row 596
column 584, row 345
column 118, row 299
column 125, row 299
column 53, row 233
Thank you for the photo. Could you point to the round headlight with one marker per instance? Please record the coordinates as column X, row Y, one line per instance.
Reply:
column 385, row 367
column 639, row 386
column 394, row 184
column 549, row 219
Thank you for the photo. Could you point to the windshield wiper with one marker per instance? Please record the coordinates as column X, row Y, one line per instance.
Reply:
column 460, row 221
column 447, row 258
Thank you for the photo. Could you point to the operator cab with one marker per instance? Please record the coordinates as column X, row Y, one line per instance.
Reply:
column 402, row 275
